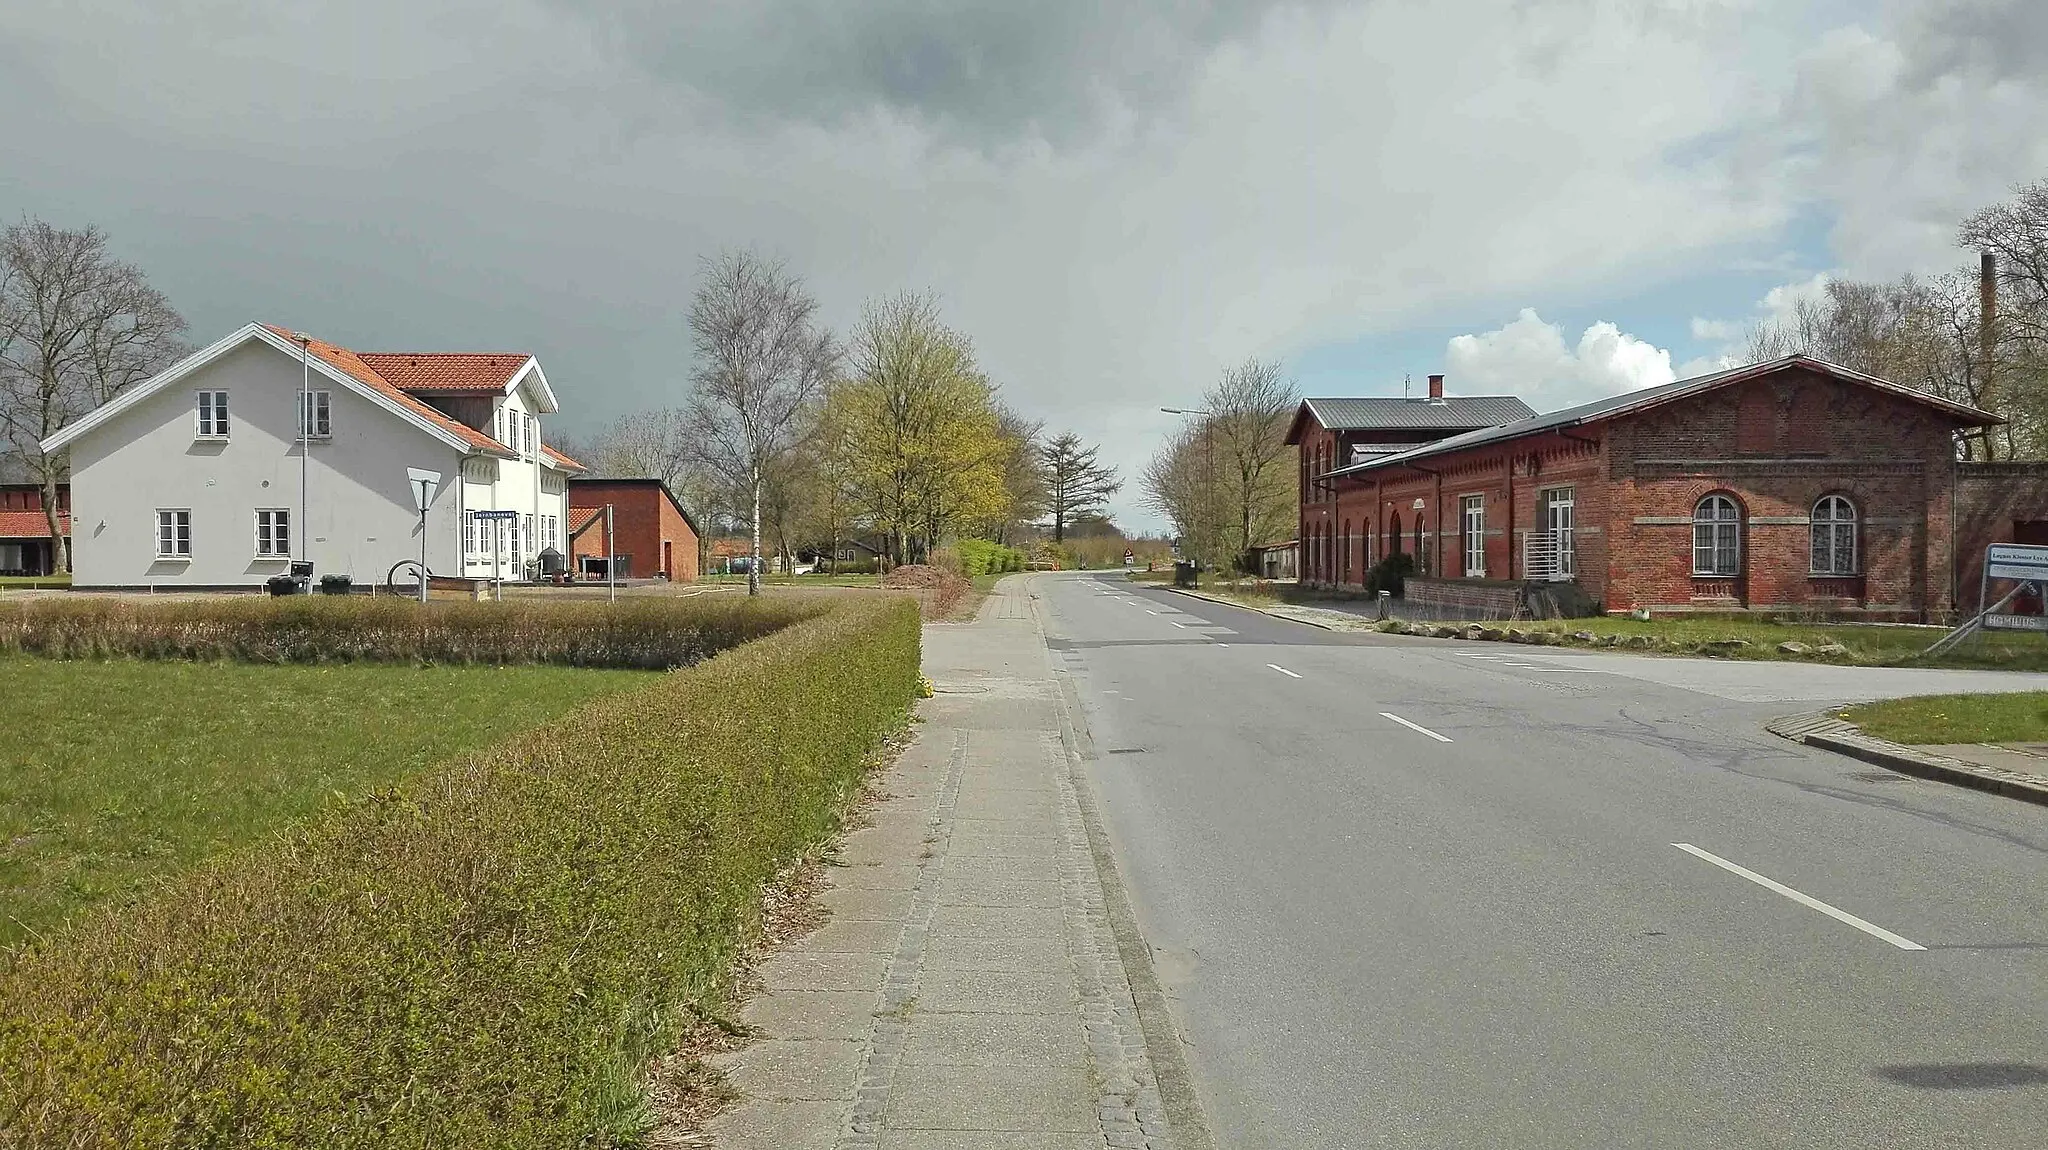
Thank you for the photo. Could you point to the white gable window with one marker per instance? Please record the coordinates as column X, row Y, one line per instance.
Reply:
column 470, row 536
column 316, row 414
column 273, row 533
column 174, row 534
column 213, row 414
column 526, row 434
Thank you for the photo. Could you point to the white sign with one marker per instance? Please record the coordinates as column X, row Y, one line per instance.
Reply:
column 1998, row 622
column 424, row 484
column 2016, row 561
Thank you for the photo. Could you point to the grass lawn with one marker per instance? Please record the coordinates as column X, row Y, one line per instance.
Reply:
column 1868, row 645
column 112, row 773
column 847, row 580
column 32, row 581
column 2015, row 718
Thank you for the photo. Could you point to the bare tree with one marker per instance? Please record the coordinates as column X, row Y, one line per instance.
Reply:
column 77, row 327
column 1075, row 483
column 1249, row 409
column 762, row 361
column 644, row 445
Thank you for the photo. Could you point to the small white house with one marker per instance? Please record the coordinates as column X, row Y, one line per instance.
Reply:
column 194, row 478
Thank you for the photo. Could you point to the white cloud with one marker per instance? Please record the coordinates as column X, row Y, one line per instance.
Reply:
column 1777, row 306
column 1530, row 358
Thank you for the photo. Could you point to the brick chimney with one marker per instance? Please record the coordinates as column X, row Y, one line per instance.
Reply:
column 1436, row 387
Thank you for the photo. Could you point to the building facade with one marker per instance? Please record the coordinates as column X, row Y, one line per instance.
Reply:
column 1788, row 487
column 652, row 534
column 25, row 544
column 212, row 475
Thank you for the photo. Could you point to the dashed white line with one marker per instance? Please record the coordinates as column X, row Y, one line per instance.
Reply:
column 1283, row 670
column 1183, row 626
column 1804, row 900
column 1415, row 726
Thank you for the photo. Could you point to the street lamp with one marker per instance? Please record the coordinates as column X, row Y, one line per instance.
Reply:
column 1208, row 462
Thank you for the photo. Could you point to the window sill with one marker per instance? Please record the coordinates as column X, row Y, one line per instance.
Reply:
column 209, row 439
column 1834, row 575
column 272, row 559
column 174, row 559
column 319, row 438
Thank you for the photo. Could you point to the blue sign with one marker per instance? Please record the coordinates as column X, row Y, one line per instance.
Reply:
column 495, row 514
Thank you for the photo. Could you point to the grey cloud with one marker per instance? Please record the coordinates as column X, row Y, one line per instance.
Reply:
column 1997, row 38
column 981, row 68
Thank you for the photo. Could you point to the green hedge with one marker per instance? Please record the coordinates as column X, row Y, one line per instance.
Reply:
column 650, row 633
column 489, row 956
column 983, row 557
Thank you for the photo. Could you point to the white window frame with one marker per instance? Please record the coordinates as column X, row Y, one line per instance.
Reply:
column 1472, row 514
column 1723, row 534
column 322, row 403
column 211, row 415
column 174, row 533
column 472, row 539
column 273, row 533
column 1831, row 548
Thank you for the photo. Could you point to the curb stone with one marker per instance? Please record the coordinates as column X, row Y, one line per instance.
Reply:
column 1822, row 729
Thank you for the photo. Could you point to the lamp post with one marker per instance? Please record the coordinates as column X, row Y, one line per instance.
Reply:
column 1208, row 463
column 305, row 445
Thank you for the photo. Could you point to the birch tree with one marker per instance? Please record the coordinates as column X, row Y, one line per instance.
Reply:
column 77, row 328
column 762, row 361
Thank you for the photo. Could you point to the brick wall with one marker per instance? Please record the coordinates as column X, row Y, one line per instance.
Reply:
column 645, row 520
column 1995, row 503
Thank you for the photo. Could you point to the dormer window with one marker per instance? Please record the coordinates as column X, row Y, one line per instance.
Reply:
column 213, row 415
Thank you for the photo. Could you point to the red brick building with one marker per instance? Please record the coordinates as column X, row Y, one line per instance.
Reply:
column 25, row 547
column 1793, row 486
column 654, row 535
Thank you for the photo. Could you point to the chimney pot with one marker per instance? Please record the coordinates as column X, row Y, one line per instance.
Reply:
column 1436, row 387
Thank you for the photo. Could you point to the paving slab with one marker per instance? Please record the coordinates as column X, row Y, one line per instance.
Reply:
column 797, row 1070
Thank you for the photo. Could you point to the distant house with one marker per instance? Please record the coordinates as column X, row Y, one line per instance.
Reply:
column 25, row 531
column 213, row 473
column 653, row 534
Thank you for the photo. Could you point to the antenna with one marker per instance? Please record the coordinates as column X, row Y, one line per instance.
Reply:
column 1405, row 380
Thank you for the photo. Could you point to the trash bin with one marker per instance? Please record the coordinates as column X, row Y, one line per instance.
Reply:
column 1184, row 572
column 335, row 583
column 284, row 585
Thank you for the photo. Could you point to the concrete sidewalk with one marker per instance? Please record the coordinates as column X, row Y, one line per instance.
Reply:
column 974, row 986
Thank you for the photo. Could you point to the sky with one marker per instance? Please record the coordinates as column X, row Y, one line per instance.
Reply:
column 1558, row 199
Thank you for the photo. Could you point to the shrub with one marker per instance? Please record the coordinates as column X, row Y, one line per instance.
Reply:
column 488, row 956
column 1390, row 574
column 647, row 633
column 984, row 557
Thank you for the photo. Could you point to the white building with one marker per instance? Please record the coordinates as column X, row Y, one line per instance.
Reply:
column 193, row 479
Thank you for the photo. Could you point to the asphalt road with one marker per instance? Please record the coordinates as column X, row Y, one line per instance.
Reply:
column 1423, row 894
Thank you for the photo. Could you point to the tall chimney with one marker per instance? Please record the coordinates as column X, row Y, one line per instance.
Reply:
column 1987, row 327
column 1436, row 387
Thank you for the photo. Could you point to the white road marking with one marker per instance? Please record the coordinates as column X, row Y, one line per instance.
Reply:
column 1523, row 666
column 1414, row 726
column 1573, row 670
column 1225, row 646
column 1183, row 626
column 1802, row 899
column 1283, row 670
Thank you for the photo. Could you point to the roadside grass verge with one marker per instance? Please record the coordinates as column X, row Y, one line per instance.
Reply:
column 1864, row 644
column 491, row 953
column 2021, row 717
column 114, row 773
column 36, row 581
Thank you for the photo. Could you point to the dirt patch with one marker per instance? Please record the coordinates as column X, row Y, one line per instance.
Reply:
column 940, row 590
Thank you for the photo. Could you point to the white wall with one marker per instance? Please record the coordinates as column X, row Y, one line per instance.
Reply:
column 514, row 485
column 363, row 518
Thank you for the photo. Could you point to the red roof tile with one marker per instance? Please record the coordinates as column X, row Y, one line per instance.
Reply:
column 562, row 460
column 348, row 362
column 733, row 548
column 29, row 525
column 452, row 371
column 580, row 517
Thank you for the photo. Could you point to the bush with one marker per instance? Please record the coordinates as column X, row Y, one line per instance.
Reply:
column 1390, row 574
column 488, row 956
column 983, row 557
column 649, row 634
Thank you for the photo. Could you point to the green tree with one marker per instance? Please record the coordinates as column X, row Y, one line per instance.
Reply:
column 1075, row 483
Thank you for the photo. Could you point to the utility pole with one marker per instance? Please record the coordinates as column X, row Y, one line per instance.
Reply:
column 305, row 447
column 611, row 559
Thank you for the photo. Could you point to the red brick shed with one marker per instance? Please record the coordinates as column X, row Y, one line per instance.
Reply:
column 1792, row 486
column 654, row 534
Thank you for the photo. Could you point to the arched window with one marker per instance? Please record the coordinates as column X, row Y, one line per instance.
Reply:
column 1394, row 534
column 1716, row 537
column 1834, row 536
column 1421, row 557
column 1344, row 555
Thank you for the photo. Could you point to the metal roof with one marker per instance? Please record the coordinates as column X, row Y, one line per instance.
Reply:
column 1463, row 412
column 1630, row 401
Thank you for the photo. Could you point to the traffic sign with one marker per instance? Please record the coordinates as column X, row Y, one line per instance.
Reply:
column 424, row 484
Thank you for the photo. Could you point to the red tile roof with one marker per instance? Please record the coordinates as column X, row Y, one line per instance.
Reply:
column 441, row 372
column 580, row 517
column 348, row 362
column 732, row 548
column 562, row 460
column 29, row 525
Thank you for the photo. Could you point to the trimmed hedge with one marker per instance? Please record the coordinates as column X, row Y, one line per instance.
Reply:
column 647, row 634
column 488, row 956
